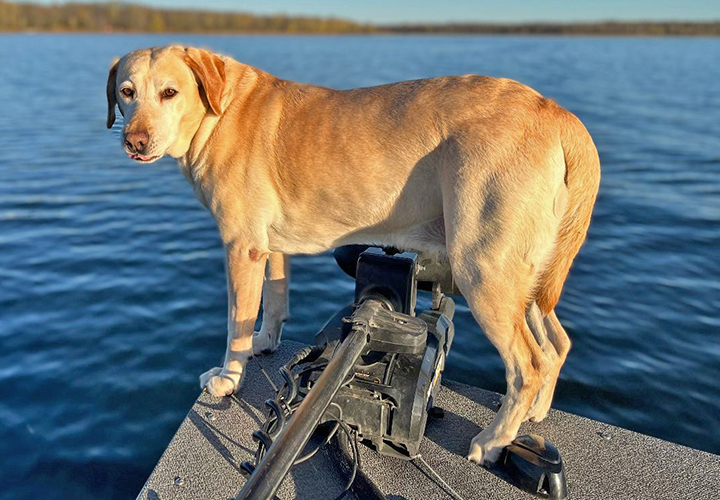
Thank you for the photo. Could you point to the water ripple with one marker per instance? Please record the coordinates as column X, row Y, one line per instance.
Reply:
column 112, row 287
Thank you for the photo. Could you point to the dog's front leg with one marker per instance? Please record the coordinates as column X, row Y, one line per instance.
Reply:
column 275, row 303
column 245, row 269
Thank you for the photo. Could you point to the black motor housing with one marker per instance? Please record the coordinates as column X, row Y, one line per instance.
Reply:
column 397, row 378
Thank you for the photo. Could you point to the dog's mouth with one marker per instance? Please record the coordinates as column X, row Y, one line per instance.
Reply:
column 143, row 159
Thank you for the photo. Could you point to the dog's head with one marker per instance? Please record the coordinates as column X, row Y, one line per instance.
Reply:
column 164, row 93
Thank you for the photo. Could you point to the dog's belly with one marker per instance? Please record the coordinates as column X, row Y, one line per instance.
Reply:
column 413, row 222
column 423, row 237
column 428, row 236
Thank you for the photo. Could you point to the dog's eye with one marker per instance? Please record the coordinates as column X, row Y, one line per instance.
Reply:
column 169, row 93
column 128, row 92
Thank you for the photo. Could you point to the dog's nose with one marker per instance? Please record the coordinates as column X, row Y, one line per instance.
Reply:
column 136, row 141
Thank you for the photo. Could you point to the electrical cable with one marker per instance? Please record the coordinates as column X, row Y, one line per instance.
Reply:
column 353, row 442
column 291, row 389
column 262, row 369
column 439, row 478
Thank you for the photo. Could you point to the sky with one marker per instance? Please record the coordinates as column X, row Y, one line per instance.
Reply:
column 440, row 11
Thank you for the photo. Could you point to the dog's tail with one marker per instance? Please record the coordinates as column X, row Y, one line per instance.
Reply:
column 582, row 177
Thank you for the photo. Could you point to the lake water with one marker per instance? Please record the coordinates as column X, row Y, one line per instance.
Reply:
column 112, row 292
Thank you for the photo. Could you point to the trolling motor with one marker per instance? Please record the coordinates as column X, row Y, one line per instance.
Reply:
column 374, row 374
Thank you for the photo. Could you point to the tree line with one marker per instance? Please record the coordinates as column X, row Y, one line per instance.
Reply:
column 608, row 28
column 124, row 17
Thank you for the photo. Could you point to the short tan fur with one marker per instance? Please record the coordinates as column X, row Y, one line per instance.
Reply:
column 482, row 171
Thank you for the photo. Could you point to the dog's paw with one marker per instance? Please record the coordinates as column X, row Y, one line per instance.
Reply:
column 484, row 450
column 220, row 383
column 265, row 343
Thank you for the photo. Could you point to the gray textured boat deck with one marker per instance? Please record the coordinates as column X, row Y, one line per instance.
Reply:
column 202, row 461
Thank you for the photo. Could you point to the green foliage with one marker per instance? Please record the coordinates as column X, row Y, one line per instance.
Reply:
column 137, row 18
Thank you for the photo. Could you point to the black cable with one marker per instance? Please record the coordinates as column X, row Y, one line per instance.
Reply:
column 352, row 440
column 329, row 437
column 312, row 453
column 438, row 478
column 289, row 397
column 262, row 369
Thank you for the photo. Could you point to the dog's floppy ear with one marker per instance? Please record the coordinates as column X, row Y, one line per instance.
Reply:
column 111, row 91
column 209, row 69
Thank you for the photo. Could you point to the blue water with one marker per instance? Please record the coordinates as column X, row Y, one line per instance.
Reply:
column 112, row 293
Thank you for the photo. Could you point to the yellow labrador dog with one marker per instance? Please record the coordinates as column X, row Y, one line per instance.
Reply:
column 483, row 171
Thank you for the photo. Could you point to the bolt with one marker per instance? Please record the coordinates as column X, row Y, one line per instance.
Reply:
column 605, row 435
column 209, row 415
column 178, row 481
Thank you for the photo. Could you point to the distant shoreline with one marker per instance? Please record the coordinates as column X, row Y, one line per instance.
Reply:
column 602, row 28
column 369, row 35
column 125, row 18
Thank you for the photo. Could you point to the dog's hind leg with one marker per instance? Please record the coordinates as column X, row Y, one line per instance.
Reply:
column 535, row 322
column 502, row 318
column 500, row 231
column 555, row 344
column 534, row 319
column 491, row 268
column 560, row 341
column 274, row 304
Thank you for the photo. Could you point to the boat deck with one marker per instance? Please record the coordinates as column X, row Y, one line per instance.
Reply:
column 602, row 461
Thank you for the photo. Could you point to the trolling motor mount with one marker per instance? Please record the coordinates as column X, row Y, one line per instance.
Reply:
column 397, row 378
column 374, row 374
